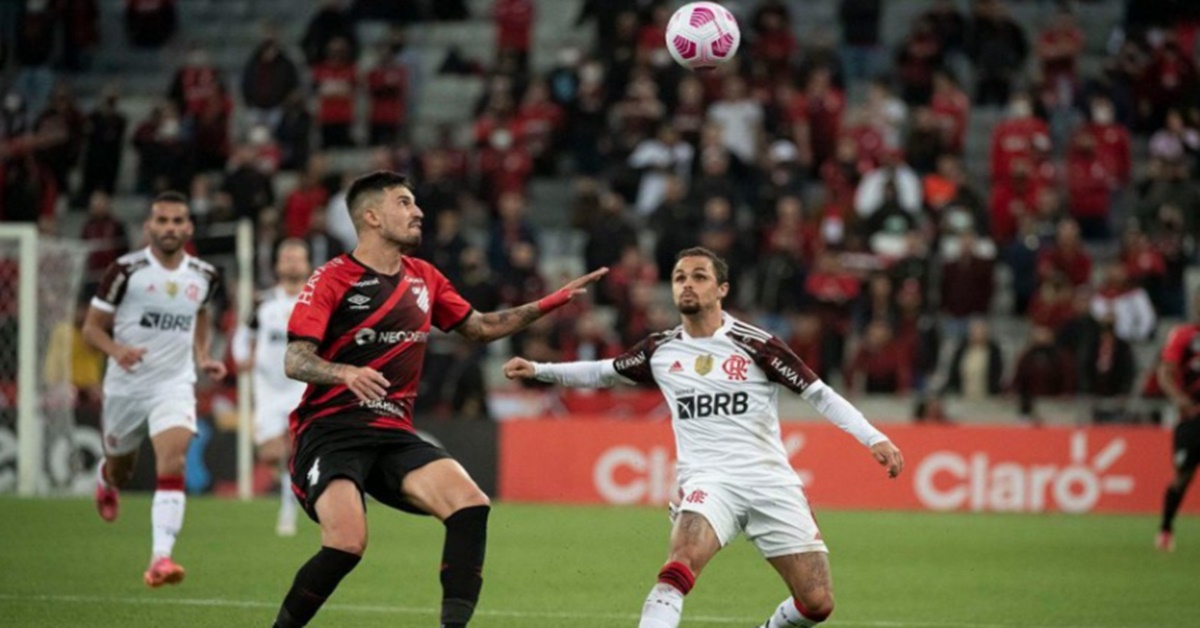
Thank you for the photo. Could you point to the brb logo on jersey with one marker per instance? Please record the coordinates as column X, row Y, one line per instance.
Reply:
column 165, row 321
column 735, row 367
column 719, row 404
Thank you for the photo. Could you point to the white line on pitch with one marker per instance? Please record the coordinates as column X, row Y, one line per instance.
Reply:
column 486, row 612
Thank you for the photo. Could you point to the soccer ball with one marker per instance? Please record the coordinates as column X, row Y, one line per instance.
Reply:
column 702, row 35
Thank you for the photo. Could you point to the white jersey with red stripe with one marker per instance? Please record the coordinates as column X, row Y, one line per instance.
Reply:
column 154, row 308
column 724, row 400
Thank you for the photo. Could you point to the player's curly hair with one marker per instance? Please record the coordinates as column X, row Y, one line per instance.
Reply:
column 719, row 265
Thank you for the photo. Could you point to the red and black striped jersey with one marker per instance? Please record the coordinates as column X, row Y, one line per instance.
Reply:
column 359, row 317
column 1183, row 350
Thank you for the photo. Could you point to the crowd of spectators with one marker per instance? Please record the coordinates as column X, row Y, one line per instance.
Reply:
column 838, row 180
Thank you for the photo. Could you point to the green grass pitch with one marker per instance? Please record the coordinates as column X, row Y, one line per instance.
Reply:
column 590, row 567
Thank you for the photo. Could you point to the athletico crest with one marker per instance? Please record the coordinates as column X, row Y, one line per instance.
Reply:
column 422, row 295
column 704, row 364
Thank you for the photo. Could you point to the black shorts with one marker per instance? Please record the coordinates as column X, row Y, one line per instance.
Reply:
column 375, row 460
column 1186, row 445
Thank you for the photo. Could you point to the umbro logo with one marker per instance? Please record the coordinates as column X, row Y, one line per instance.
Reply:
column 359, row 301
column 676, row 367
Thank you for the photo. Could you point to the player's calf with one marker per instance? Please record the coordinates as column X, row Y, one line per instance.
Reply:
column 664, row 605
column 462, row 564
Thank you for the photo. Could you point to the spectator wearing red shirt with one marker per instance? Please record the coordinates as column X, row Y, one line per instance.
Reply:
column 301, row 203
column 1145, row 265
column 1012, row 197
column 805, row 341
column 1058, row 48
column 194, row 83
column 105, row 235
column 1090, row 185
column 652, row 37
column 211, row 131
column 917, row 59
column 514, row 29
column 1043, row 370
column 832, row 290
column 1020, row 137
column 1169, row 79
column 881, row 364
column 774, row 42
column 537, row 124
column 1066, row 257
column 1053, row 303
column 816, row 116
column 1113, row 146
column 952, row 108
column 504, row 167
column 968, row 278
column 335, row 82
column 387, row 88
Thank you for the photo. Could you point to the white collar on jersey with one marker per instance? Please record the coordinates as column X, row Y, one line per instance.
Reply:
column 157, row 264
column 726, row 322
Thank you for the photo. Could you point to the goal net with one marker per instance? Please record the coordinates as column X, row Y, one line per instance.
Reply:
column 43, row 448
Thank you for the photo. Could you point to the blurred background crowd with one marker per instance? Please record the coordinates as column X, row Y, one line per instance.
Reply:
column 967, row 205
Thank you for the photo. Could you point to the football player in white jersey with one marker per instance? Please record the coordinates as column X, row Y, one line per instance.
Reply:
column 719, row 377
column 150, row 317
column 260, row 346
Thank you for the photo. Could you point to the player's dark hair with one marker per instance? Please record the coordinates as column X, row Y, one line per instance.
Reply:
column 297, row 242
column 169, row 196
column 370, row 185
column 719, row 265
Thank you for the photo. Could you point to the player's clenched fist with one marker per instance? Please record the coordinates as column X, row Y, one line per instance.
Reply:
column 518, row 368
column 889, row 456
column 365, row 382
column 129, row 357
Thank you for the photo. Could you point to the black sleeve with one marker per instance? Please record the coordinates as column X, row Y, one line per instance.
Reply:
column 634, row 364
column 113, row 284
column 776, row 359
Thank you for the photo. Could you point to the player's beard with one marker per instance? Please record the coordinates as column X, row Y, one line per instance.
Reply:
column 406, row 244
column 689, row 307
column 167, row 245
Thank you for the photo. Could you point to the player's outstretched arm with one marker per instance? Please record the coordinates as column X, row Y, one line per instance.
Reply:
column 594, row 374
column 302, row 363
column 482, row 327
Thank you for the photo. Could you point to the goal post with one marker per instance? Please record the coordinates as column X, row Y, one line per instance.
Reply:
column 24, row 239
column 40, row 280
column 245, row 303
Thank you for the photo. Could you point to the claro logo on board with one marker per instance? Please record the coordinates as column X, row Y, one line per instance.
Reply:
column 948, row 480
column 625, row 474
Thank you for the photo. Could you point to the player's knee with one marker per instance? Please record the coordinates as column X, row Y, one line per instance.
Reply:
column 173, row 463
column 347, row 542
column 816, row 605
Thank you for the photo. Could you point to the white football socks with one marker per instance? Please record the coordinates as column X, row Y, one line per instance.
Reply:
column 788, row 616
column 663, row 608
column 166, row 518
column 287, row 501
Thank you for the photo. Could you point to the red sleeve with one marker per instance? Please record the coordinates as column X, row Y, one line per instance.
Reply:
column 1177, row 342
column 314, row 306
column 449, row 308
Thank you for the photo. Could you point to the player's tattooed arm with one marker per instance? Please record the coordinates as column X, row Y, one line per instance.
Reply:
column 487, row 327
column 301, row 362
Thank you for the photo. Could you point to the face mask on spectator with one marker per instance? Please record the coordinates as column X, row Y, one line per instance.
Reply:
column 501, row 139
column 169, row 129
column 1020, row 109
column 1102, row 114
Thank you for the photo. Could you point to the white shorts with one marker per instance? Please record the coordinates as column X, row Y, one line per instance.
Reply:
column 270, row 420
column 777, row 519
column 126, row 420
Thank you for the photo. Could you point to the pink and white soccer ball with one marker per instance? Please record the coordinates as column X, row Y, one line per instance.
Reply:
column 702, row 35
